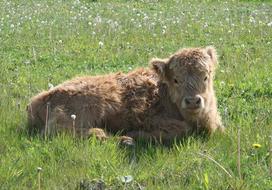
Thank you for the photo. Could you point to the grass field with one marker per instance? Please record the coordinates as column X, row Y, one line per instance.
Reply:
column 47, row 42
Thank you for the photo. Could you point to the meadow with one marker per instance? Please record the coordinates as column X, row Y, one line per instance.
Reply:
column 45, row 42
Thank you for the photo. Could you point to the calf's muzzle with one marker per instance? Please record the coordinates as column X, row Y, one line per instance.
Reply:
column 193, row 102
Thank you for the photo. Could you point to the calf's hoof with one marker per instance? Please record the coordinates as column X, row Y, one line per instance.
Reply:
column 97, row 133
column 126, row 141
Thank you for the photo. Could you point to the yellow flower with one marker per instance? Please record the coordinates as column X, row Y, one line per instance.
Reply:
column 256, row 145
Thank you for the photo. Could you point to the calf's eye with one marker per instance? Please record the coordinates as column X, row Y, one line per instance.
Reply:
column 176, row 81
column 205, row 79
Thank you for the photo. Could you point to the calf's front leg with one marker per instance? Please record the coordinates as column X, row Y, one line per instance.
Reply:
column 163, row 130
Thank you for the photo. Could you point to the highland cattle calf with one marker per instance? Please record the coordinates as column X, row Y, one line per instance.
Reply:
column 172, row 99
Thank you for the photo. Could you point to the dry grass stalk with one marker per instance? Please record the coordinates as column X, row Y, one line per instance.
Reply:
column 47, row 119
column 214, row 161
column 239, row 153
column 270, row 152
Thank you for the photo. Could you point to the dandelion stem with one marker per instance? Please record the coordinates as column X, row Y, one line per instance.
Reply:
column 39, row 177
column 74, row 129
column 74, row 124
column 39, row 180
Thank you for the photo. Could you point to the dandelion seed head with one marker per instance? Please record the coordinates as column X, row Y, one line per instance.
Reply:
column 73, row 116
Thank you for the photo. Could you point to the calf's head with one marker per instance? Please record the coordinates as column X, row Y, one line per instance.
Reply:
column 189, row 76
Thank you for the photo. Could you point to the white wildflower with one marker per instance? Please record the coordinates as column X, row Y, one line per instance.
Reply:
column 126, row 179
column 252, row 20
column 98, row 19
column 101, row 44
column 222, row 83
column 27, row 62
column 50, row 86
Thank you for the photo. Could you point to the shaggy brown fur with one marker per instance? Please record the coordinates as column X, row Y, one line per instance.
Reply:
column 172, row 99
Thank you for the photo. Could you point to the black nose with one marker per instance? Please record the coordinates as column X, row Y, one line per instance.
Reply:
column 192, row 101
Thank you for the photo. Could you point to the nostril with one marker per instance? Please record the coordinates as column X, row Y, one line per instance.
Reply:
column 187, row 101
column 198, row 101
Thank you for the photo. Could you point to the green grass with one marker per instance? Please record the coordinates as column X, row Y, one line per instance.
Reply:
column 44, row 42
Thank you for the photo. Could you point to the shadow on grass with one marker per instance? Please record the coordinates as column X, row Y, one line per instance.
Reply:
column 148, row 148
column 133, row 154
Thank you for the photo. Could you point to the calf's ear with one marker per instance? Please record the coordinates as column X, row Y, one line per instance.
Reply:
column 212, row 53
column 159, row 66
